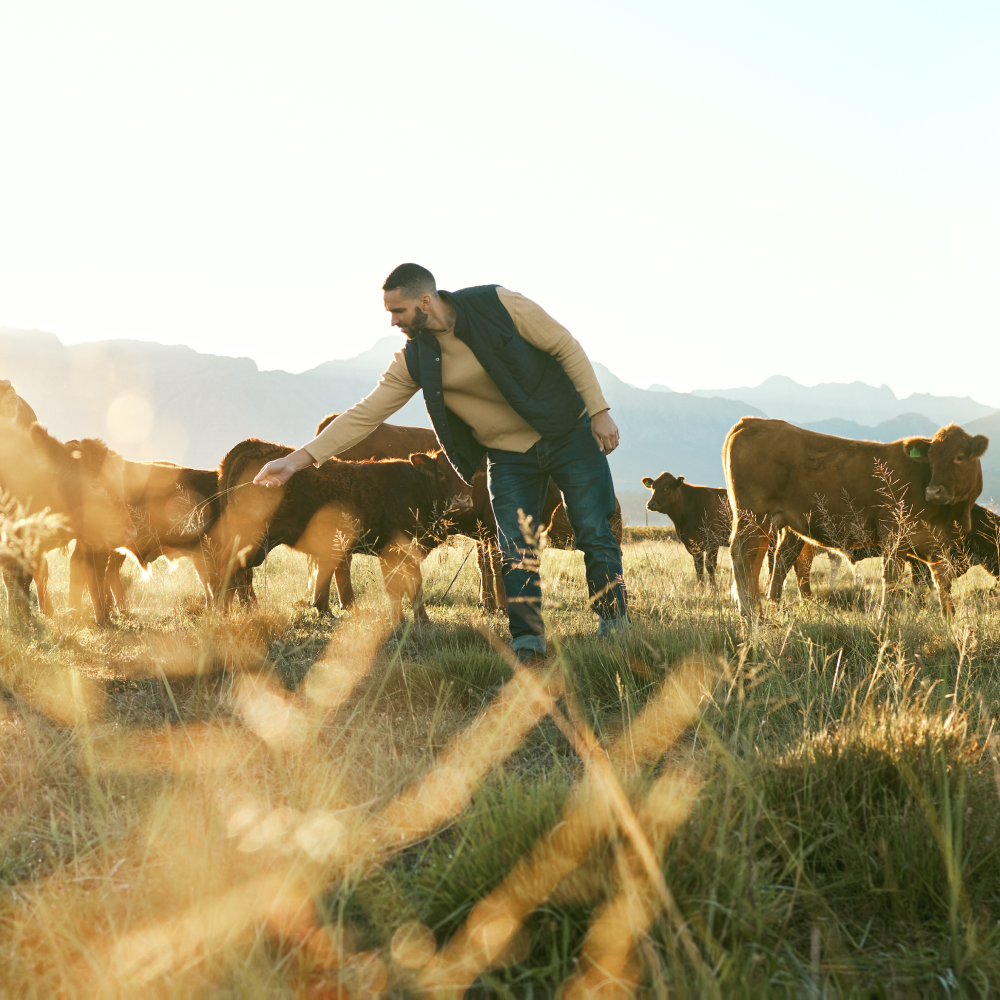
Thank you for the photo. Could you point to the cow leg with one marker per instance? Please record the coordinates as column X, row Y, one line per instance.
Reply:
column 402, row 577
column 786, row 554
column 711, row 561
column 321, row 585
column 491, row 595
column 95, row 565
column 17, row 583
column 747, row 548
column 345, row 589
column 496, row 574
column 242, row 586
column 699, row 566
column 892, row 571
column 113, row 589
column 87, row 568
column 41, row 578
column 803, row 566
column 941, row 571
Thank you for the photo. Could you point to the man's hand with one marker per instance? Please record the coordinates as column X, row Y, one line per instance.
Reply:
column 278, row 472
column 605, row 431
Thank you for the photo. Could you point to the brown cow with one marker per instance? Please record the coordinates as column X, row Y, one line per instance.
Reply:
column 394, row 509
column 83, row 483
column 911, row 496
column 981, row 547
column 14, row 410
column 172, row 508
column 700, row 515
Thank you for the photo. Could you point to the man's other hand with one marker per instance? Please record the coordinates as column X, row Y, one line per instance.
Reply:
column 605, row 431
column 278, row 472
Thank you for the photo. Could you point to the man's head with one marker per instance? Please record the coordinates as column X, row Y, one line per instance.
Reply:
column 408, row 294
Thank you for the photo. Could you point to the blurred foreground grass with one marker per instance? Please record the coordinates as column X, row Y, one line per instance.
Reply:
column 279, row 804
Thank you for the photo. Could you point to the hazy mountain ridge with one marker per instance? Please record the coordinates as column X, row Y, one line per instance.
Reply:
column 153, row 401
column 785, row 399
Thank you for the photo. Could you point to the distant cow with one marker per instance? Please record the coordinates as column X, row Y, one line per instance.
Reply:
column 172, row 508
column 700, row 515
column 395, row 509
column 559, row 532
column 912, row 496
column 83, row 483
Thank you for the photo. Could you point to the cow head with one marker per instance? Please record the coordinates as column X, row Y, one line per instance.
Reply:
column 92, row 476
column 667, row 498
column 953, row 457
column 447, row 486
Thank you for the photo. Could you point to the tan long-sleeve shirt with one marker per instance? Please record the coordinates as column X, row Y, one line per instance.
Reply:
column 468, row 391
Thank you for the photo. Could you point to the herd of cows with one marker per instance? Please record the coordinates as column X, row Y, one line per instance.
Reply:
column 396, row 496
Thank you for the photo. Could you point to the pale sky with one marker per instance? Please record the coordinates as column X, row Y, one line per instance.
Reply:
column 706, row 194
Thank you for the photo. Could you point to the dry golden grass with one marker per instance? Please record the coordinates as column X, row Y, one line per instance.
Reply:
column 271, row 803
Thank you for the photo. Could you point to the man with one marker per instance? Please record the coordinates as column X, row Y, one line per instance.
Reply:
column 500, row 378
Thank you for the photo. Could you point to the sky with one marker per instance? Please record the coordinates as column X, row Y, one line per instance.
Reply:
column 705, row 194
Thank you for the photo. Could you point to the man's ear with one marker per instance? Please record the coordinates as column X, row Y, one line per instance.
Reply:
column 977, row 448
column 647, row 482
column 917, row 448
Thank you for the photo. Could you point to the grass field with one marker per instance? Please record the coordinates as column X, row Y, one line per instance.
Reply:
column 278, row 804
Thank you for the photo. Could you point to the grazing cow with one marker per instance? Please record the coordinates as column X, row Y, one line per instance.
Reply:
column 14, row 410
column 912, row 496
column 700, row 515
column 395, row 509
column 82, row 483
column 559, row 532
column 172, row 508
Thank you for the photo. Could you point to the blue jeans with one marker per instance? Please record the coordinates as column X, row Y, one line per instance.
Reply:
column 519, row 482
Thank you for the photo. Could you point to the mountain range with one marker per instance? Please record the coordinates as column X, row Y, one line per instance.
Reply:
column 152, row 401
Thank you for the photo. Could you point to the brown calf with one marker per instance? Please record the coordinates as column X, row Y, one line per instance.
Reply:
column 913, row 496
column 14, row 410
column 700, row 515
column 395, row 509
column 477, row 522
column 172, row 508
column 82, row 483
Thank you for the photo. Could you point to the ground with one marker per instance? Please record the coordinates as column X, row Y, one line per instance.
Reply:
column 275, row 803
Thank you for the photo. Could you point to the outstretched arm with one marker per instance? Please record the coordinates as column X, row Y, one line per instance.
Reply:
column 394, row 389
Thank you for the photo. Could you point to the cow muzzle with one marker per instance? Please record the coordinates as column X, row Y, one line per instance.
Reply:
column 461, row 502
column 938, row 495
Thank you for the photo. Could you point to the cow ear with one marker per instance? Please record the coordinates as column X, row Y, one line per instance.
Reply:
column 647, row 482
column 680, row 479
column 917, row 448
column 977, row 447
column 420, row 460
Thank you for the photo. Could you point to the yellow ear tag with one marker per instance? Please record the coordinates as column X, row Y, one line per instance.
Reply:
column 914, row 452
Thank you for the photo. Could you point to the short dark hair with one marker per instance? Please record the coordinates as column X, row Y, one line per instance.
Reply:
column 412, row 279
